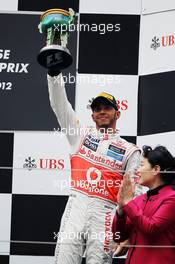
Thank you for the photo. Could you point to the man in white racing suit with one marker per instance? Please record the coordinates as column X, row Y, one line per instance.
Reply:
column 98, row 159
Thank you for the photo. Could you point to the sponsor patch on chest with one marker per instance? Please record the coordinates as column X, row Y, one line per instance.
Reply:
column 116, row 152
column 91, row 145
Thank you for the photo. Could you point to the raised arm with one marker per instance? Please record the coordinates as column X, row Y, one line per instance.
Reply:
column 62, row 107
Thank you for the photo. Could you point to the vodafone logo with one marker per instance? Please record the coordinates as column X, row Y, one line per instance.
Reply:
column 93, row 175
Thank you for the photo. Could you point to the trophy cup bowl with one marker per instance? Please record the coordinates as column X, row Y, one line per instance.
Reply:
column 55, row 25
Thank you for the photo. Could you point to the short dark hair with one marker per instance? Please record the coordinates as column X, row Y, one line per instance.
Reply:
column 162, row 157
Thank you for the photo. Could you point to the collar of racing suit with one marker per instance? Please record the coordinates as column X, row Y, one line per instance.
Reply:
column 102, row 135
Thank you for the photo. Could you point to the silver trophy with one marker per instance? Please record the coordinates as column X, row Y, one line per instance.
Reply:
column 55, row 25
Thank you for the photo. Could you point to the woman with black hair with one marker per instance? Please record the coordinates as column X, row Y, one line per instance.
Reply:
column 148, row 221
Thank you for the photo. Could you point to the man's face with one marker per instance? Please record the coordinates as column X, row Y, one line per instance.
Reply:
column 105, row 116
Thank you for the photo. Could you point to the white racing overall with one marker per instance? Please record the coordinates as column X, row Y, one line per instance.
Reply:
column 98, row 162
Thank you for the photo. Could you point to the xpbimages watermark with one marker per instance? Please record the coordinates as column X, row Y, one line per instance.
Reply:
column 101, row 28
column 83, row 131
column 98, row 187
column 61, row 236
column 84, row 79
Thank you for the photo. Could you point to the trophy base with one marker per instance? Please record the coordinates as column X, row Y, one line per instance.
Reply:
column 54, row 57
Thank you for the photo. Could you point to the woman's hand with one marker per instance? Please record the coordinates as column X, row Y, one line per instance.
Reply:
column 120, row 249
column 126, row 191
